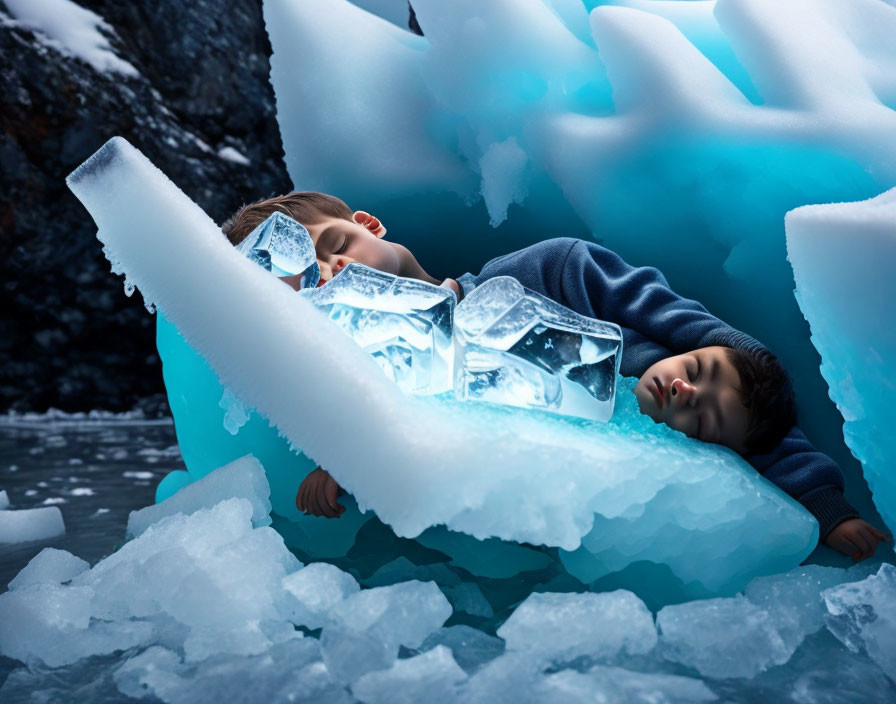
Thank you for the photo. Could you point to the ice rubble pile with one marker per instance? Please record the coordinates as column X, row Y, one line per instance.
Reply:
column 25, row 525
column 631, row 490
column 205, row 605
column 678, row 132
column 843, row 253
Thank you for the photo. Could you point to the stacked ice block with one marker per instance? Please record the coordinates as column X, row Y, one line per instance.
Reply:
column 516, row 347
column 404, row 324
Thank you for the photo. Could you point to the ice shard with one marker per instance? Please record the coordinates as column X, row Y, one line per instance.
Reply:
column 404, row 324
column 517, row 347
column 842, row 256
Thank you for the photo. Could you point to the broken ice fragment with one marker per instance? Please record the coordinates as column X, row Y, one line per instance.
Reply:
column 404, row 324
column 516, row 347
column 283, row 246
column 49, row 566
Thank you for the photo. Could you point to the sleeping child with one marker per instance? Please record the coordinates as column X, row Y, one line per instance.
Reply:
column 696, row 373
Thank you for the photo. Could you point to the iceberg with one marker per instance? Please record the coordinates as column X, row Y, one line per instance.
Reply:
column 632, row 491
column 842, row 256
column 515, row 346
column 677, row 134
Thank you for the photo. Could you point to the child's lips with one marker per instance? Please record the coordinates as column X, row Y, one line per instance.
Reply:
column 320, row 283
column 658, row 391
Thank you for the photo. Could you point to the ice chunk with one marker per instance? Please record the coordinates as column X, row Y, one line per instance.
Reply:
column 4, row 501
column 563, row 626
column 31, row 524
column 404, row 324
column 317, row 589
column 517, row 347
column 283, row 246
column 632, row 490
column 467, row 597
column 236, row 415
column 432, row 675
column 50, row 623
column 620, row 686
column 243, row 478
column 842, row 256
column 471, row 647
column 49, row 566
column 863, row 616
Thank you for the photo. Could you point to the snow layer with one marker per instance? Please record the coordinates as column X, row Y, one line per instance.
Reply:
column 630, row 490
column 72, row 29
column 843, row 256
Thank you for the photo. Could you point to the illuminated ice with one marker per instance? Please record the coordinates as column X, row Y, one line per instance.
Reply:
column 30, row 524
column 316, row 589
column 283, row 246
column 4, row 501
column 842, row 256
column 243, row 478
column 632, row 492
column 49, row 566
column 413, row 680
column 863, row 616
column 517, row 347
column 404, row 324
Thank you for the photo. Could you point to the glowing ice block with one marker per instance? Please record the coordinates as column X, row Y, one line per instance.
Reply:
column 283, row 247
column 843, row 256
column 404, row 324
column 517, row 347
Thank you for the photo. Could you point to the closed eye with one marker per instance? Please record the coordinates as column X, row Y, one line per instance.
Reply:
column 343, row 246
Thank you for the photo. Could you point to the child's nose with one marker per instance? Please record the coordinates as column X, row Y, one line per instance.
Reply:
column 682, row 388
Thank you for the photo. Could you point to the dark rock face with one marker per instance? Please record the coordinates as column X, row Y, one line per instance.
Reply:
column 69, row 338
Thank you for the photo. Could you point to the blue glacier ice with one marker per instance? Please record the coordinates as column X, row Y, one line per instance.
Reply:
column 843, row 256
column 515, row 346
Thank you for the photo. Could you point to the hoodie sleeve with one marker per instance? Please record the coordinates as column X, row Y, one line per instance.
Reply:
column 809, row 476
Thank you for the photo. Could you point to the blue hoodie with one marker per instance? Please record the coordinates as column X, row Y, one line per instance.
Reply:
column 658, row 323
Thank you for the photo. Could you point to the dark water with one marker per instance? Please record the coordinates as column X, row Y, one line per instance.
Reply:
column 95, row 470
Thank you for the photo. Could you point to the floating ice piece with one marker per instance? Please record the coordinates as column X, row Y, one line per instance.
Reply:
column 404, row 324
column 31, row 524
column 283, row 246
column 431, row 676
column 557, row 627
column 49, row 566
column 863, row 616
column 243, row 478
column 4, row 501
column 632, row 490
column 517, row 347
column 842, row 256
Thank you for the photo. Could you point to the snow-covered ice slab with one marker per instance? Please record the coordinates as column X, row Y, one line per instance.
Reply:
column 242, row 478
column 31, row 524
column 631, row 491
column 843, row 255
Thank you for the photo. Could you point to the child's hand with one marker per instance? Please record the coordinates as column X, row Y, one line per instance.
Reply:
column 317, row 495
column 856, row 537
column 370, row 222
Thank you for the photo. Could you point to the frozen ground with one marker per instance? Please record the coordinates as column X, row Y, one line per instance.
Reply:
column 212, row 605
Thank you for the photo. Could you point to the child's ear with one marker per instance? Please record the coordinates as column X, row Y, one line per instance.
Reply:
column 370, row 222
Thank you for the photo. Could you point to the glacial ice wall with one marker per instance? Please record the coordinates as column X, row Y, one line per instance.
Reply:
column 677, row 133
column 843, row 256
column 609, row 494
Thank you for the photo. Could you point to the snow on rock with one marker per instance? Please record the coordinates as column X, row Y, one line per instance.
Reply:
column 73, row 30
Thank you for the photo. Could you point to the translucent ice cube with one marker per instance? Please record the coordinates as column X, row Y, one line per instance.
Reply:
column 404, row 324
column 283, row 246
column 516, row 347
